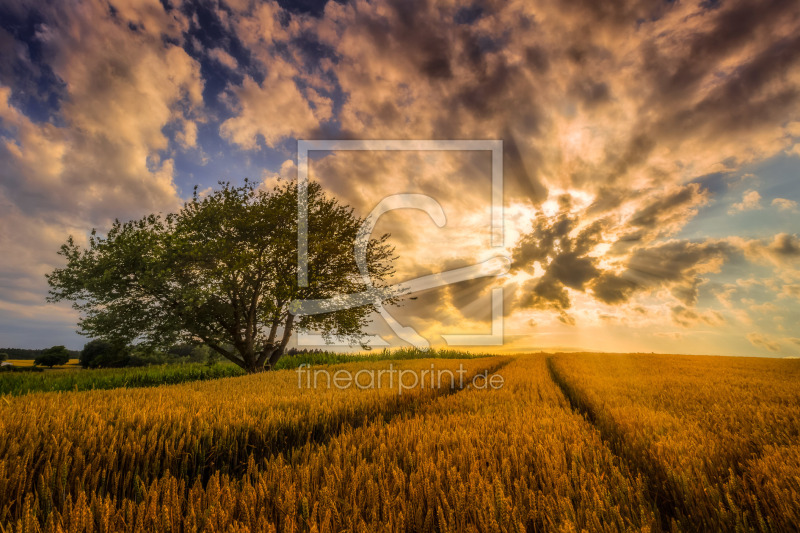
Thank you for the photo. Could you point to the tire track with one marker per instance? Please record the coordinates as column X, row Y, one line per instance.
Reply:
column 672, row 512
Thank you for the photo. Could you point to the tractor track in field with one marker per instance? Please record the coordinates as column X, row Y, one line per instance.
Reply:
column 319, row 435
column 672, row 513
column 286, row 440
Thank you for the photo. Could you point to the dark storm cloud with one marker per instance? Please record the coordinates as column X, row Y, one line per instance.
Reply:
column 560, row 249
column 610, row 198
column 410, row 72
column 544, row 293
column 664, row 208
column 614, row 289
column 747, row 101
column 637, row 148
column 416, row 26
column 39, row 91
column 590, row 92
column 726, row 77
column 613, row 14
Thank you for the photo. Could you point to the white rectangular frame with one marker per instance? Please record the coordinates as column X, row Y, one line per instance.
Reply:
column 305, row 146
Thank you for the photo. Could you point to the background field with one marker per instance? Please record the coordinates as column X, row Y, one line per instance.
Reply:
column 71, row 377
column 570, row 442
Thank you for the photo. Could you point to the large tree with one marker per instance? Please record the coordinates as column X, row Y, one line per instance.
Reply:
column 222, row 271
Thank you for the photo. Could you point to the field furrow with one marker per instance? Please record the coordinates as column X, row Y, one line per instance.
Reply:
column 112, row 444
column 512, row 459
column 717, row 439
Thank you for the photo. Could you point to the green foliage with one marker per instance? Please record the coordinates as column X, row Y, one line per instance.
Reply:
column 182, row 350
column 96, row 352
column 55, row 356
column 99, row 353
column 112, row 378
column 222, row 271
column 103, row 354
column 204, row 354
column 117, row 359
column 3, row 356
column 162, row 369
column 24, row 353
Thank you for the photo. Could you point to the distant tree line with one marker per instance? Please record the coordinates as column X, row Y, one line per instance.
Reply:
column 103, row 354
column 23, row 353
column 304, row 351
column 50, row 357
column 99, row 353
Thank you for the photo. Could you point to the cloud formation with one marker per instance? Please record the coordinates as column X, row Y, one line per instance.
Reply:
column 750, row 201
column 784, row 204
column 627, row 128
column 762, row 341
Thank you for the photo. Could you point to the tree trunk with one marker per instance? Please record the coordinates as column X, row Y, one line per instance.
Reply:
column 279, row 350
column 273, row 359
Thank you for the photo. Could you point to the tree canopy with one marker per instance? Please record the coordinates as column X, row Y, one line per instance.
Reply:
column 99, row 353
column 222, row 271
column 57, row 355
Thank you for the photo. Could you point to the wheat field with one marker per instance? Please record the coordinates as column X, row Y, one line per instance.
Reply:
column 569, row 442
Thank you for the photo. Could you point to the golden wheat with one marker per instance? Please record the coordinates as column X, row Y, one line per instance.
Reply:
column 513, row 459
column 656, row 443
column 717, row 436
column 115, row 443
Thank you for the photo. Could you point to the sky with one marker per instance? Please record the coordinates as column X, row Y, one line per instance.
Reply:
column 650, row 149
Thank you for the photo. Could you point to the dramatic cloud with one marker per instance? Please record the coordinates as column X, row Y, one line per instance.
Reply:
column 274, row 110
column 103, row 155
column 676, row 265
column 632, row 135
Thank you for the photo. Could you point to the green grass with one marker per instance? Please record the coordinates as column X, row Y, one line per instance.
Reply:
column 330, row 358
column 112, row 378
column 77, row 379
